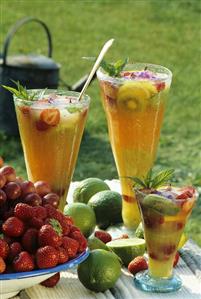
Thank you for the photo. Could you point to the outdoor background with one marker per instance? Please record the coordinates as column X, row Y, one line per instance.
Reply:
column 156, row 31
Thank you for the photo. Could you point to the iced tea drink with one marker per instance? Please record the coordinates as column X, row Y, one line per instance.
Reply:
column 51, row 129
column 134, row 104
column 164, row 214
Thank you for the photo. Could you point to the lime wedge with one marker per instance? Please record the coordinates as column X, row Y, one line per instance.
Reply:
column 127, row 249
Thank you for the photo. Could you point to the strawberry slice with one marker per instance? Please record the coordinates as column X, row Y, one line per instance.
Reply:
column 160, row 86
column 41, row 125
column 50, row 117
column 25, row 110
column 185, row 195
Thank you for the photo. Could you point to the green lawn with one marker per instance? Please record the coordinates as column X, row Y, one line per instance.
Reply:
column 161, row 32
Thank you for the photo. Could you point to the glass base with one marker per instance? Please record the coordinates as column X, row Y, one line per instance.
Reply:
column 158, row 285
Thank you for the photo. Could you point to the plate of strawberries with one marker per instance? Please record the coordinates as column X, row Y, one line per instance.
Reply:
column 37, row 240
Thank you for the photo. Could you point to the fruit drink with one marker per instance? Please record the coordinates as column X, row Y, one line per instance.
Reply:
column 51, row 128
column 164, row 214
column 134, row 104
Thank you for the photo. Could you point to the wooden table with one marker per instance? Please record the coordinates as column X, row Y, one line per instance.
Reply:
column 69, row 287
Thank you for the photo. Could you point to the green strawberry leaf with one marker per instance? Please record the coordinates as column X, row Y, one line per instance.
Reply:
column 56, row 226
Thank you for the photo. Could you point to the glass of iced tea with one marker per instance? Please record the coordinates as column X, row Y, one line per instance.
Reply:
column 51, row 127
column 134, row 103
column 164, row 212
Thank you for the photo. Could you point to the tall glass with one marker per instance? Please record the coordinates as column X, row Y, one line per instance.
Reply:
column 51, row 128
column 164, row 217
column 134, row 105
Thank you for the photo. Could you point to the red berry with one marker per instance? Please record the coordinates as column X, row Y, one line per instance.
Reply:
column 40, row 212
column 185, row 195
column 66, row 227
column 51, row 117
column 137, row 264
column 42, row 188
column 105, row 237
column 78, row 236
column 176, row 259
column 15, row 249
column 52, row 281
column 23, row 262
column 71, row 246
column 33, row 199
column 53, row 213
column 160, row 86
column 168, row 249
column 30, row 240
column 50, row 234
column 27, row 187
column 63, row 256
column 12, row 190
column 47, row 257
column 13, row 227
column 4, row 249
column 9, row 173
column 23, row 211
column 35, row 222
column 2, row 265
column 52, row 199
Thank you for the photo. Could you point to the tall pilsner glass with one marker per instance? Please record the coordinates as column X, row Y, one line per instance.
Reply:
column 51, row 128
column 134, row 104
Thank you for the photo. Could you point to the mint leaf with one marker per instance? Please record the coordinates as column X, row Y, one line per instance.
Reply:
column 73, row 109
column 20, row 92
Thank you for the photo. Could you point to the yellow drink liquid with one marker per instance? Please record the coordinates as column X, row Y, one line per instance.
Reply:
column 51, row 132
column 134, row 107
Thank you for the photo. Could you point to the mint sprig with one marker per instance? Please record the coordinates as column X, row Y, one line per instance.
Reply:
column 113, row 69
column 22, row 93
column 153, row 180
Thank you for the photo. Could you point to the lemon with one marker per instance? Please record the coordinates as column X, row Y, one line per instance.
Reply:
column 107, row 206
column 127, row 249
column 135, row 95
column 182, row 241
column 83, row 217
column 100, row 271
column 87, row 188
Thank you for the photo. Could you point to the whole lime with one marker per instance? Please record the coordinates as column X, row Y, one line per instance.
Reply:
column 99, row 271
column 83, row 217
column 87, row 188
column 107, row 206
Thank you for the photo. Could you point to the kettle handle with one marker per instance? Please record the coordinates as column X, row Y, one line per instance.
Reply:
column 15, row 28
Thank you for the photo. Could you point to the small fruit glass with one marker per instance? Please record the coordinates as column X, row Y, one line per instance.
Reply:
column 51, row 128
column 164, row 214
column 134, row 104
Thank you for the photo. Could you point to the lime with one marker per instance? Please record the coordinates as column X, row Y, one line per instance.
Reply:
column 107, row 206
column 139, row 233
column 87, row 188
column 127, row 249
column 83, row 217
column 182, row 241
column 95, row 243
column 100, row 271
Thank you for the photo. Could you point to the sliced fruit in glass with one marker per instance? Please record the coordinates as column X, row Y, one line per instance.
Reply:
column 134, row 104
column 51, row 128
column 164, row 214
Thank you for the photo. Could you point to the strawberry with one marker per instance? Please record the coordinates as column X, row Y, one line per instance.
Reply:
column 103, row 236
column 23, row 262
column 40, row 212
column 30, row 240
column 52, row 281
column 184, row 195
column 13, row 227
column 66, row 227
column 23, row 211
column 74, row 228
column 4, row 249
column 47, row 257
column 78, row 236
column 160, row 86
column 50, row 234
column 63, row 256
column 71, row 246
column 176, row 259
column 168, row 249
column 137, row 264
column 2, row 265
column 50, row 117
column 41, row 126
column 35, row 222
column 15, row 249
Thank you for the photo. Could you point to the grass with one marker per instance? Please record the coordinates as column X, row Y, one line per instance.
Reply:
column 166, row 34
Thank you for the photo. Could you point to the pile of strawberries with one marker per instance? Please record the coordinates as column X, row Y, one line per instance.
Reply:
column 33, row 233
